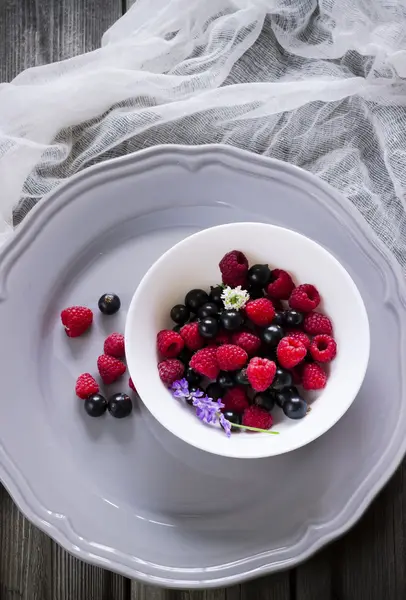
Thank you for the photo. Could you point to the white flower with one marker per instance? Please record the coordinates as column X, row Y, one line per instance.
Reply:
column 234, row 298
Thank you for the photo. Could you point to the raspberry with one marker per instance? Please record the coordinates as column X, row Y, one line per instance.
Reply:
column 131, row 385
column 114, row 345
column 315, row 323
column 236, row 400
column 170, row 370
column 247, row 340
column 76, row 320
column 86, row 386
column 281, row 285
column 261, row 373
column 260, row 312
column 300, row 336
column 205, row 362
column 290, row 352
column 110, row 368
column 169, row 343
column 305, row 298
column 222, row 338
column 323, row 348
column 231, row 357
column 191, row 336
column 313, row 377
column 234, row 268
column 257, row 417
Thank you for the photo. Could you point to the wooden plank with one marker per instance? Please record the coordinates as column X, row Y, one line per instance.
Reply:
column 273, row 587
column 313, row 579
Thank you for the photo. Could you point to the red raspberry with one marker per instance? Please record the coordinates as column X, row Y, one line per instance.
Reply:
column 191, row 336
column 234, row 268
column 114, row 345
column 315, row 323
column 169, row 343
column 231, row 357
column 300, row 336
column 323, row 348
column 260, row 373
column 281, row 285
column 170, row 370
column 110, row 368
column 258, row 417
column 131, row 385
column 223, row 337
column 313, row 377
column 235, row 399
column 76, row 320
column 247, row 340
column 205, row 362
column 260, row 311
column 305, row 298
column 290, row 352
column 86, row 386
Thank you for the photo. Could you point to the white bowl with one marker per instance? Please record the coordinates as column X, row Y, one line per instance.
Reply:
column 193, row 263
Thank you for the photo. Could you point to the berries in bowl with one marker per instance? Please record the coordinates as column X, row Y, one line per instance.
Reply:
column 237, row 331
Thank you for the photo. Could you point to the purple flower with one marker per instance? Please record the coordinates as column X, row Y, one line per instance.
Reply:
column 180, row 389
column 207, row 410
column 226, row 425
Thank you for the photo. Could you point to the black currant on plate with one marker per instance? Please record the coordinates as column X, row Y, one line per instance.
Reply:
column 180, row 314
column 120, row 405
column 208, row 327
column 241, row 378
column 185, row 356
column 259, row 275
column 233, row 417
column 177, row 328
column 255, row 292
column 195, row 298
column 295, row 407
column 279, row 318
column 109, row 304
column 214, row 391
column 265, row 400
column 215, row 295
column 293, row 318
column 225, row 379
column 272, row 335
column 282, row 379
column 95, row 405
column 192, row 377
column 209, row 309
column 231, row 320
column 282, row 396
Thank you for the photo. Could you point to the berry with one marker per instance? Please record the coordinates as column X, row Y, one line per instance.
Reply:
column 215, row 295
column 191, row 336
column 169, row 343
column 279, row 318
column 231, row 320
column 265, row 400
column 222, row 338
column 114, row 345
column 323, row 348
column 284, row 395
column 259, row 275
column 185, row 356
column 293, row 318
column 290, row 352
column 177, row 328
column 296, row 373
column 255, row 292
column 180, row 314
column 109, row 304
column 76, row 320
column 272, row 335
column 210, row 309
column 313, row 377
column 214, row 391
column 192, row 377
column 205, row 362
column 300, row 336
column 260, row 372
column 170, row 370
column 225, row 379
column 231, row 357
column 248, row 341
column 315, row 323
column 261, row 312
column 305, row 298
column 281, row 285
column 131, row 385
column 233, row 417
column 120, row 405
column 234, row 268
column 208, row 327
column 95, row 405
column 110, row 368
column 241, row 377
column 236, row 400
column 295, row 407
column 282, row 379
column 195, row 298
column 86, row 386
column 255, row 416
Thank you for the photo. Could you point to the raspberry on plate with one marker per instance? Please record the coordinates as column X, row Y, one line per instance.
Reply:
column 170, row 370
column 131, row 385
column 261, row 373
column 236, row 400
column 261, row 311
column 76, row 320
column 110, row 368
column 191, row 336
column 86, row 386
column 281, row 285
column 231, row 357
column 315, row 323
column 258, row 417
column 304, row 298
column 205, row 362
column 247, row 340
column 313, row 377
column 290, row 352
column 169, row 343
column 234, row 268
column 114, row 345
column 300, row 336
column 323, row 348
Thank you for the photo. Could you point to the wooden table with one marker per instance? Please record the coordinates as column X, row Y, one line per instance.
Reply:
column 367, row 563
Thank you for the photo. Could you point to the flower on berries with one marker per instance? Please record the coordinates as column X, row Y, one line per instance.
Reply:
column 207, row 410
column 225, row 424
column 180, row 389
column 234, row 298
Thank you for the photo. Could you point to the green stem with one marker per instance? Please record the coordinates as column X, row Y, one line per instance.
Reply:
column 254, row 429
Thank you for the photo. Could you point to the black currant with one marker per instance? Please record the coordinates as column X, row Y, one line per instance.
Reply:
column 295, row 407
column 210, row 309
column 177, row 328
column 282, row 379
column 215, row 295
column 120, row 405
column 282, row 396
column 195, row 298
column 95, row 405
column 265, row 400
column 293, row 318
column 259, row 275
column 272, row 335
column 109, row 304
column 225, row 379
column 180, row 314
column 231, row 320
column 240, row 377
column 208, row 327
column 255, row 292
column 233, row 417
column 214, row 391
column 185, row 356
column 279, row 318
column 192, row 377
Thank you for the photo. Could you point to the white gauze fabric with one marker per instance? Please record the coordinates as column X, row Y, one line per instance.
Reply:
column 320, row 84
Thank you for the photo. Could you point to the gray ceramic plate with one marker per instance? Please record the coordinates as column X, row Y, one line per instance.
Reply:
column 126, row 494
